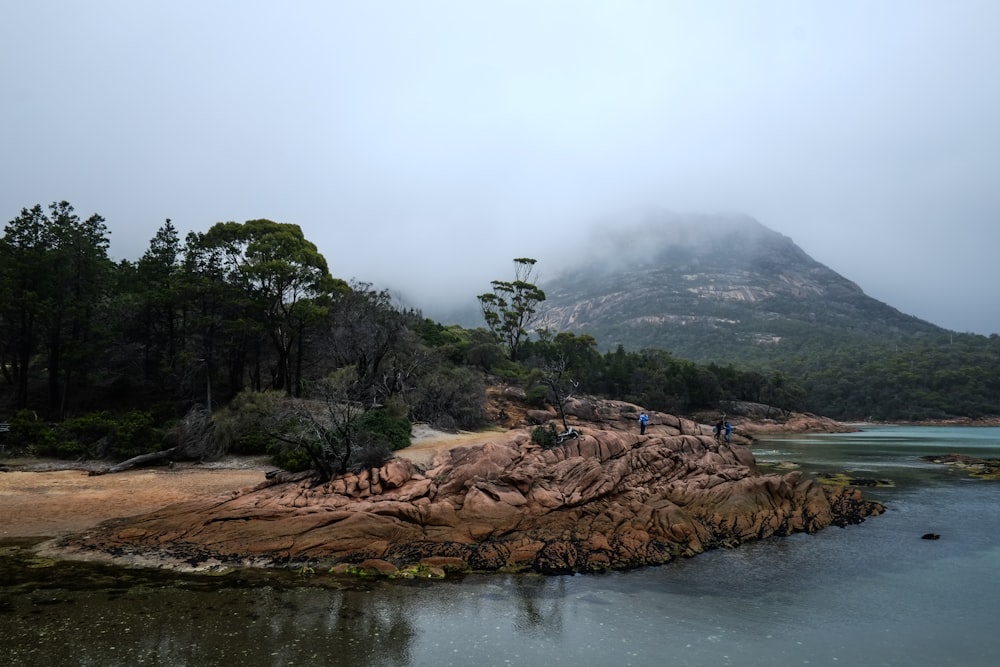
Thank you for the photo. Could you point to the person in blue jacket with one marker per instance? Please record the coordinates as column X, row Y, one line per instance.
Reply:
column 643, row 420
column 729, row 433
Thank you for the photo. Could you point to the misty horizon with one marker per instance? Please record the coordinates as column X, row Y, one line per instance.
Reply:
column 422, row 146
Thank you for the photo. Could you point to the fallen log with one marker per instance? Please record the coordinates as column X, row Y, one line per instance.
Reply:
column 140, row 461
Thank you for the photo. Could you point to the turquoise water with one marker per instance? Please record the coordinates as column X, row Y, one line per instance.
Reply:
column 874, row 594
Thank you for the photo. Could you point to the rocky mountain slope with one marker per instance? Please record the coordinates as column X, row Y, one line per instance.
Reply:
column 713, row 288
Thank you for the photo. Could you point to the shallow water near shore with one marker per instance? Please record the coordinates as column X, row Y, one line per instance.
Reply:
column 873, row 594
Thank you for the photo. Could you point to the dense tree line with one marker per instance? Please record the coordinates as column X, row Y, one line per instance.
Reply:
column 243, row 308
column 246, row 320
column 926, row 377
column 654, row 378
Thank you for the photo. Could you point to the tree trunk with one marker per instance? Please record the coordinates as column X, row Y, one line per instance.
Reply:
column 141, row 460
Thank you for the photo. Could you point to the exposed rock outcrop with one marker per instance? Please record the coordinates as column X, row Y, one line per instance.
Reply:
column 754, row 419
column 974, row 466
column 610, row 499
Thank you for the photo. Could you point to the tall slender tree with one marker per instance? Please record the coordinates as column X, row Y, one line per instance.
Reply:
column 158, row 273
column 512, row 306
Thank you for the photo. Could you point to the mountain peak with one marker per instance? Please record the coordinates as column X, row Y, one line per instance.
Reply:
column 710, row 288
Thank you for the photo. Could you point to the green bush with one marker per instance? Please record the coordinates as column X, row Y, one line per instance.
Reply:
column 511, row 371
column 450, row 395
column 383, row 427
column 536, row 396
column 87, row 436
column 242, row 427
column 103, row 435
column 29, row 434
column 292, row 459
column 545, row 436
column 135, row 433
column 64, row 448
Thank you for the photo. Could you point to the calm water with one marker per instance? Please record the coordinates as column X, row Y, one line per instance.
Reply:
column 874, row 594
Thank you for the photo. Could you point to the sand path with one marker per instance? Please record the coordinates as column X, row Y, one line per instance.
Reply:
column 43, row 503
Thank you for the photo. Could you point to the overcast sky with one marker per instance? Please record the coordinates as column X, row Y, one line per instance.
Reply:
column 423, row 145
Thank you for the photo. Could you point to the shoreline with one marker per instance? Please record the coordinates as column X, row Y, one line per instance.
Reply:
column 50, row 498
column 608, row 500
column 40, row 502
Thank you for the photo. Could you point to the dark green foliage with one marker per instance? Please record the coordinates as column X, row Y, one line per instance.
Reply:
column 99, row 435
column 244, row 426
column 102, row 435
column 511, row 308
column 546, row 436
column 29, row 434
column 91, row 433
column 135, row 433
column 450, row 397
column 929, row 378
column 54, row 279
column 260, row 289
column 292, row 459
column 482, row 351
column 653, row 379
column 536, row 396
column 383, row 427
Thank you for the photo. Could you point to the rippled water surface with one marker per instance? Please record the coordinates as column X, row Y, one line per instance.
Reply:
column 874, row 594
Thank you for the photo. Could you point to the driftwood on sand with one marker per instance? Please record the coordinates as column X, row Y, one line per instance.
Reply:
column 191, row 439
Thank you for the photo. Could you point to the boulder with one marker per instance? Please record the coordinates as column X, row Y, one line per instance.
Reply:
column 610, row 499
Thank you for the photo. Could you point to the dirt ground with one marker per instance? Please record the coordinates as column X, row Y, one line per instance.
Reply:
column 427, row 442
column 49, row 503
column 40, row 502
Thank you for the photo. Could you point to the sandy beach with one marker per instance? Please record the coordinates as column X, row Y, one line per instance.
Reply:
column 39, row 500
column 50, row 503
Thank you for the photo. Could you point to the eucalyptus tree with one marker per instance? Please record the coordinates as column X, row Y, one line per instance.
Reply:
column 261, row 285
column 512, row 306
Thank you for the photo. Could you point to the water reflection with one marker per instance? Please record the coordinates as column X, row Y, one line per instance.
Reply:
column 869, row 594
column 539, row 605
column 56, row 615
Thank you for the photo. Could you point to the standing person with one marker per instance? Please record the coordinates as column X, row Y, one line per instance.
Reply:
column 718, row 431
column 643, row 420
column 729, row 433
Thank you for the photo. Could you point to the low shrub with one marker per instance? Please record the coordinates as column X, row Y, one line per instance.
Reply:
column 537, row 396
column 545, row 436
column 292, row 459
column 104, row 435
column 384, row 427
column 30, row 435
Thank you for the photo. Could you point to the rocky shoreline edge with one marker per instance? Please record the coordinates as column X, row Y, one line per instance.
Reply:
column 611, row 499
